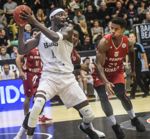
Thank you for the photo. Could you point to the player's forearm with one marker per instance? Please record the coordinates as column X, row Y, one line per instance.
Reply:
column 24, row 47
column 21, row 45
column 145, row 60
column 101, row 73
column 19, row 64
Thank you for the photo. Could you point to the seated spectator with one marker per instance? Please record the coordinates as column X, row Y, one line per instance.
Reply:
column 86, row 77
column 96, row 30
column 7, row 74
column 78, row 16
column 13, row 29
column 4, row 40
column 132, row 15
column 73, row 5
column 3, row 53
column 141, row 10
column 8, row 8
column 27, row 33
column 83, row 30
column 104, row 13
column 87, row 44
column 90, row 15
column 119, row 11
column 107, row 28
column 3, row 21
column 40, row 16
column 14, row 53
column 147, row 17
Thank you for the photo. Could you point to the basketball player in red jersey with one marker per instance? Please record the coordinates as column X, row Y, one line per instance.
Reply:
column 111, row 53
column 30, row 67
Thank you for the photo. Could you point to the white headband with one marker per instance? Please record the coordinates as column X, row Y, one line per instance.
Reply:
column 55, row 12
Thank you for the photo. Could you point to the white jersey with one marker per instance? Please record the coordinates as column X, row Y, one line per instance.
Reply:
column 56, row 56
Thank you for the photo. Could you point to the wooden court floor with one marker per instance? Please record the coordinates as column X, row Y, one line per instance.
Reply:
column 66, row 121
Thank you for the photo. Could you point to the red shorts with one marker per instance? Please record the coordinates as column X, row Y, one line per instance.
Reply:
column 31, row 83
column 112, row 77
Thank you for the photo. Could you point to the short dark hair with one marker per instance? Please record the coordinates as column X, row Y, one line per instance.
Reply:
column 119, row 21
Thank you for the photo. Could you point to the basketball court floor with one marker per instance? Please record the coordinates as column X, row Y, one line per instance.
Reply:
column 66, row 121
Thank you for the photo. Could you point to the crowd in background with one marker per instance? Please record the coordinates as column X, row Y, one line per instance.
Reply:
column 91, row 18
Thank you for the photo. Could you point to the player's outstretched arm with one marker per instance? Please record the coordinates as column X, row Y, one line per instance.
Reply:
column 25, row 46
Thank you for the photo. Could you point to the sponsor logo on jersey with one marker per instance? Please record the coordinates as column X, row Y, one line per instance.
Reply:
column 46, row 44
column 124, row 45
column 116, row 54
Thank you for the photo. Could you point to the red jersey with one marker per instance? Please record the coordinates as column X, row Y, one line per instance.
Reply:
column 32, row 62
column 115, row 55
column 113, row 67
column 75, row 57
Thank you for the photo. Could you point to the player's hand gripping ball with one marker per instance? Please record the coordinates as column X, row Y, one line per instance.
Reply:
column 16, row 14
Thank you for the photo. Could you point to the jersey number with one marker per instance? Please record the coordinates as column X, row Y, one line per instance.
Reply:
column 53, row 55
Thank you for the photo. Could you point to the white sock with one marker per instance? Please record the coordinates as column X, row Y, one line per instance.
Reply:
column 112, row 120
column 131, row 114
column 21, row 131
column 29, row 137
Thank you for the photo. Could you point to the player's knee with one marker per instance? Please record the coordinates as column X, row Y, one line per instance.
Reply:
column 87, row 114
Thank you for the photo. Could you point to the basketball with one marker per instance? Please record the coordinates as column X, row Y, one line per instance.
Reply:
column 16, row 14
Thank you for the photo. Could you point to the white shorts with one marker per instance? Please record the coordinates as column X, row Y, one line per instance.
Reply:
column 63, row 85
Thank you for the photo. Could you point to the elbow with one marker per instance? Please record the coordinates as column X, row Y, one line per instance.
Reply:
column 21, row 52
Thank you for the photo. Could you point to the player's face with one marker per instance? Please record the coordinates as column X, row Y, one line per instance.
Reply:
column 60, row 18
column 116, row 30
column 132, row 38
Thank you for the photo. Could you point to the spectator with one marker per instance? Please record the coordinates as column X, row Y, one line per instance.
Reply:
column 4, row 38
column 104, row 14
column 40, row 16
column 87, row 45
column 87, row 79
column 83, row 30
column 14, row 53
column 147, row 17
column 4, row 55
column 141, row 10
column 7, row 74
column 96, row 30
column 73, row 5
column 90, row 15
column 119, row 11
column 107, row 28
column 27, row 33
column 132, row 15
column 3, row 21
column 78, row 16
column 9, row 7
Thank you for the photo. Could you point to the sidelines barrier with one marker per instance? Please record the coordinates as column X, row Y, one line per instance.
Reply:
column 11, row 95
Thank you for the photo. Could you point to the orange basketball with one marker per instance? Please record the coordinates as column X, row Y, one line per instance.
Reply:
column 16, row 14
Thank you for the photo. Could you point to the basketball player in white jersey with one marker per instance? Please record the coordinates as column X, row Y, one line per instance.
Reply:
column 55, row 47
